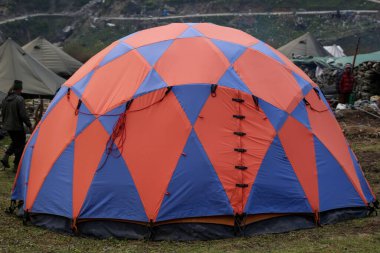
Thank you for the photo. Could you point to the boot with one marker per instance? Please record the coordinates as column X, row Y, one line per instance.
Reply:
column 5, row 161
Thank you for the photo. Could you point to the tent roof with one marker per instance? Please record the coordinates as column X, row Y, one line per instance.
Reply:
column 52, row 57
column 339, row 62
column 306, row 45
column 335, row 50
column 360, row 58
column 15, row 63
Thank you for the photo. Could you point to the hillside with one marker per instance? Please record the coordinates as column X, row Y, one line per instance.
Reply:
column 155, row 7
column 84, row 27
column 142, row 7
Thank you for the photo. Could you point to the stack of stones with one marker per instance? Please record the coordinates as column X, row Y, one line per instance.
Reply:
column 367, row 77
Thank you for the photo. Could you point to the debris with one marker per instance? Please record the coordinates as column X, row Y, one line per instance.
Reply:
column 342, row 107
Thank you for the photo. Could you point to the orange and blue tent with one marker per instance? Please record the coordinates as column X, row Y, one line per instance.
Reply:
column 189, row 131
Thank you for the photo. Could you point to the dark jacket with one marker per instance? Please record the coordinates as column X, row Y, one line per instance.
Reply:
column 14, row 113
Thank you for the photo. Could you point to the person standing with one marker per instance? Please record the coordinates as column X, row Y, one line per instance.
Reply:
column 346, row 84
column 14, row 118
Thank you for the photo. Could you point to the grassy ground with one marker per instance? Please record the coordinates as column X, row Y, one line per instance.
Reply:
column 360, row 235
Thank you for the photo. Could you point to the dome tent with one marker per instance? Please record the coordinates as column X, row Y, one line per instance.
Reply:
column 189, row 131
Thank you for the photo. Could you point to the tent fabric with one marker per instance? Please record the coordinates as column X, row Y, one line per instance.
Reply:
column 16, row 64
column 186, row 122
column 335, row 50
column 360, row 58
column 339, row 62
column 52, row 57
column 305, row 45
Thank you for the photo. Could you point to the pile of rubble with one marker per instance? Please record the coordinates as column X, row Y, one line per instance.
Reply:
column 328, row 80
column 367, row 77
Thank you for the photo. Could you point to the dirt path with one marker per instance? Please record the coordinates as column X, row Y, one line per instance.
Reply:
column 278, row 13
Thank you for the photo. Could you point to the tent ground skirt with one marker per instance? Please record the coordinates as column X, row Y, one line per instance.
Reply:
column 187, row 231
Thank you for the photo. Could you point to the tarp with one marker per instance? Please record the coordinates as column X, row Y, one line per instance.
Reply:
column 52, row 57
column 335, row 50
column 306, row 45
column 360, row 58
column 338, row 62
column 317, row 61
column 15, row 63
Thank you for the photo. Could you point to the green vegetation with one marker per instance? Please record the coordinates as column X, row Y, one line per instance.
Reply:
column 88, row 41
column 203, row 6
column 30, row 6
column 26, row 30
column 274, row 30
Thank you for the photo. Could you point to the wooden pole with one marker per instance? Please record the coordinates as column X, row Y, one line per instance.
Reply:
column 352, row 95
column 356, row 53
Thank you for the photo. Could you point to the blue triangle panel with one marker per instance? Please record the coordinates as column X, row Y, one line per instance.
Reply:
column 303, row 84
column 263, row 48
column 300, row 114
column 192, row 99
column 276, row 188
column 19, row 192
column 153, row 52
column 232, row 80
column 81, row 85
column 363, row 183
column 110, row 118
column 335, row 189
column 192, row 24
column 322, row 96
column 231, row 50
column 61, row 93
column 190, row 32
column 195, row 189
column 119, row 50
column 112, row 193
column 152, row 82
column 85, row 118
column 277, row 117
column 55, row 195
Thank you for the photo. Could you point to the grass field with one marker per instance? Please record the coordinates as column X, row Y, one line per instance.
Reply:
column 360, row 235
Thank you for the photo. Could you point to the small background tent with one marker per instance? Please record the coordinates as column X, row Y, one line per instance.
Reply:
column 335, row 50
column 184, row 132
column 306, row 45
column 52, row 57
column 15, row 63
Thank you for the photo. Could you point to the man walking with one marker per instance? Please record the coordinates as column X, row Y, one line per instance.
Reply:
column 14, row 117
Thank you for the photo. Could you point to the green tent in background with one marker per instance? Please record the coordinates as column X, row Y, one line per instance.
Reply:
column 16, row 64
column 306, row 45
column 52, row 57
